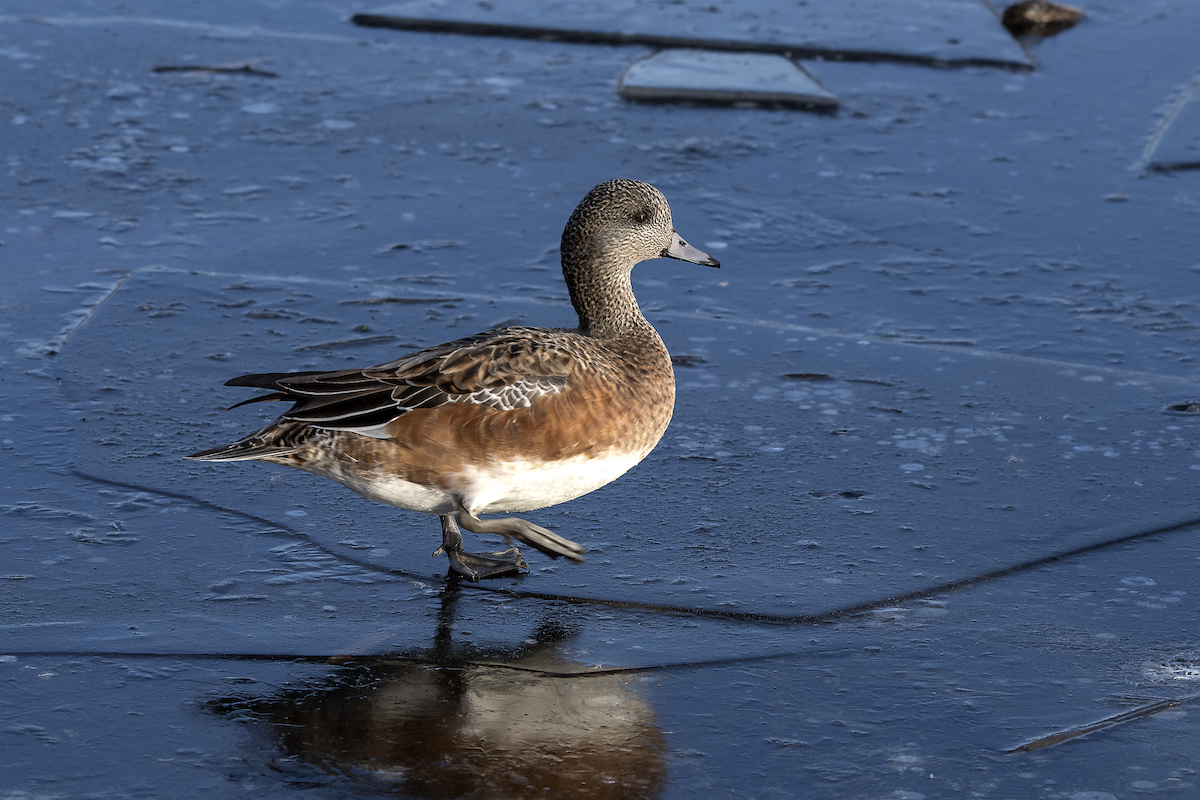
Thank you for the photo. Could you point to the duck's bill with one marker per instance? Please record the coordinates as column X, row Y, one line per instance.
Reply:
column 685, row 252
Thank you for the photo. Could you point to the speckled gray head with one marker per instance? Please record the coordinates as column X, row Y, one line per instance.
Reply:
column 622, row 222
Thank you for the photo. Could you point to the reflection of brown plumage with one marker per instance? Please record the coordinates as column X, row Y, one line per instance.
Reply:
column 456, row 720
column 507, row 420
column 476, row 731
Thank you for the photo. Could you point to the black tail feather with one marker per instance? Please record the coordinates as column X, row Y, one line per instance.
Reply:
column 262, row 398
column 264, row 380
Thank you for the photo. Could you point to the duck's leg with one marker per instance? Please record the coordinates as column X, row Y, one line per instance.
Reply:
column 548, row 542
column 476, row 565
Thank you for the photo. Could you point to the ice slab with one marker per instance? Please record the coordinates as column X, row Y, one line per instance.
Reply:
column 796, row 480
column 930, row 695
column 1176, row 145
column 958, row 32
column 722, row 78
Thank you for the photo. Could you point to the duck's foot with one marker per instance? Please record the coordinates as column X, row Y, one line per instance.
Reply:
column 545, row 540
column 474, row 566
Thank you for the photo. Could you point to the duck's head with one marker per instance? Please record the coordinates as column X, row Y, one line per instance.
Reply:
column 620, row 223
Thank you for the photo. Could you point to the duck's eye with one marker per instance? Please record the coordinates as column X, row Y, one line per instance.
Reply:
column 641, row 216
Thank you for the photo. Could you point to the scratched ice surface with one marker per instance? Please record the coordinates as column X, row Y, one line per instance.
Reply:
column 921, row 526
column 803, row 472
column 930, row 697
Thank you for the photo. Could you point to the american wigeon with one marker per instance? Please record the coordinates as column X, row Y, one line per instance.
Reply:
column 508, row 420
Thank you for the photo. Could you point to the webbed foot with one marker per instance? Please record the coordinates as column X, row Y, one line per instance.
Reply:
column 474, row 566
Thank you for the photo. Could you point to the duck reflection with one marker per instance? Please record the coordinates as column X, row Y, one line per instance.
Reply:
column 458, row 721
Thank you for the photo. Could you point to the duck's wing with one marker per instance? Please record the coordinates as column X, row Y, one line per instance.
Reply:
column 501, row 370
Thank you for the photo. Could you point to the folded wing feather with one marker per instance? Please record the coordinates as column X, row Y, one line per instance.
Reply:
column 503, row 370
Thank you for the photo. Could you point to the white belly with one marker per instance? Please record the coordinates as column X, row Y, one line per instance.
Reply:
column 397, row 492
column 522, row 486
column 495, row 488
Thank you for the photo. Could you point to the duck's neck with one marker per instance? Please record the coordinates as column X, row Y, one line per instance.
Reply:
column 603, row 299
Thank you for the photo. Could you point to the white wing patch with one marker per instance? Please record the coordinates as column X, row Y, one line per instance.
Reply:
column 514, row 395
column 502, row 398
column 406, row 399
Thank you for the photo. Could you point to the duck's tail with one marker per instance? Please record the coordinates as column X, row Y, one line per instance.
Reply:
column 280, row 439
column 275, row 442
column 248, row 449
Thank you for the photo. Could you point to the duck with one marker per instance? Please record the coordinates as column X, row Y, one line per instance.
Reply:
column 505, row 421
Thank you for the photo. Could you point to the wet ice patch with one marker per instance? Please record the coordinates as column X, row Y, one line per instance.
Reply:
column 124, row 91
column 996, row 432
column 923, row 441
column 108, row 163
column 827, row 399
column 906, row 762
column 779, row 742
column 261, row 108
column 1086, row 449
column 1181, row 667
column 502, row 86
column 16, row 53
